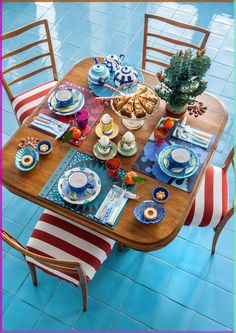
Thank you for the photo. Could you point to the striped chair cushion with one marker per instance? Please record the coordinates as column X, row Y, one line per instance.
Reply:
column 24, row 104
column 57, row 237
column 211, row 202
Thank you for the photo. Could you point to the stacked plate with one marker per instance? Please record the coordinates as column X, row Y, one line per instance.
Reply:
column 83, row 197
column 189, row 169
column 66, row 101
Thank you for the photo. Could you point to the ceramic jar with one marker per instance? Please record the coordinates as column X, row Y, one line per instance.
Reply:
column 113, row 62
column 125, row 76
column 98, row 74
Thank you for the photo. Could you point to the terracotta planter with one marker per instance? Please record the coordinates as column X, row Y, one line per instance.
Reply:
column 176, row 109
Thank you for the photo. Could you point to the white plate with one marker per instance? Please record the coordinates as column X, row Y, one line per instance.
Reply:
column 80, row 201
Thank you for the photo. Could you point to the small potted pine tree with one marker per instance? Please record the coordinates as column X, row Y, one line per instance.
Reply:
column 183, row 80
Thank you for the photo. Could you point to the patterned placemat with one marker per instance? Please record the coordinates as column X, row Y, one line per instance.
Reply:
column 147, row 161
column 94, row 109
column 77, row 159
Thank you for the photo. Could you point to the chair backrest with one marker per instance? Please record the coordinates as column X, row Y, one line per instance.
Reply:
column 229, row 161
column 174, row 41
column 49, row 54
column 64, row 266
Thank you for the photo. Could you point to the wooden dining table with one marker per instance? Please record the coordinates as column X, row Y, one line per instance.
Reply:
column 128, row 231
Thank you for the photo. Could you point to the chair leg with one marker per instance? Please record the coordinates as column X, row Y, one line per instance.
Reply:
column 33, row 274
column 120, row 247
column 84, row 287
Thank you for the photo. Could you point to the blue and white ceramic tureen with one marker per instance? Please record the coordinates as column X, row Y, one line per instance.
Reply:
column 126, row 76
column 113, row 62
column 98, row 74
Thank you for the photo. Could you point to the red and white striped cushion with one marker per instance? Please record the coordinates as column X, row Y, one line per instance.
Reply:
column 25, row 103
column 57, row 237
column 211, row 202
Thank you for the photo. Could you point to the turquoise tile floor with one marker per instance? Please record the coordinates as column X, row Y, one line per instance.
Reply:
column 181, row 287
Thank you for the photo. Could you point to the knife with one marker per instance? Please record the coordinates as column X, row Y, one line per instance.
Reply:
column 128, row 194
column 112, row 217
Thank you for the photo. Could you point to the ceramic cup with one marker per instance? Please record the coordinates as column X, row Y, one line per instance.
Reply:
column 179, row 158
column 64, row 98
column 113, row 166
column 78, row 181
column 106, row 123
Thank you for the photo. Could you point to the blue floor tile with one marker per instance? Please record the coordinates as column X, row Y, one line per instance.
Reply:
column 9, row 123
column 217, row 304
column 179, row 319
column 15, row 272
column 138, row 297
column 71, row 298
column 6, row 299
column 25, row 316
column 221, row 273
column 38, row 296
column 225, row 243
column 47, row 323
column 7, row 197
column 23, row 239
column 104, row 319
column 201, row 323
column 202, row 236
column 195, row 260
column 126, row 323
column 171, row 252
column 101, row 287
column 20, row 211
column 154, row 274
column 185, row 288
column 13, row 228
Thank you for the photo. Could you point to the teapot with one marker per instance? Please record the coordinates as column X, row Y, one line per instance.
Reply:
column 98, row 74
column 125, row 76
column 113, row 62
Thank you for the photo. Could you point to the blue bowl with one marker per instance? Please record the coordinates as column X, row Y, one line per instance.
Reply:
column 163, row 189
column 139, row 210
column 23, row 152
column 44, row 142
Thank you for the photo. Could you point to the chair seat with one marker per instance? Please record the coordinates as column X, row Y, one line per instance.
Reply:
column 211, row 202
column 25, row 103
column 57, row 237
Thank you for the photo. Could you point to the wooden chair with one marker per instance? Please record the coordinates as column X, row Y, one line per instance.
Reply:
column 147, row 34
column 210, row 207
column 25, row 103
column 64, row 249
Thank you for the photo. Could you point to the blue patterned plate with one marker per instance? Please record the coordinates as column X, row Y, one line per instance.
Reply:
column 139, row 210
column 23, row 152
column 101, row 91
column 87, row 195
column 178, row 172
column 77, row 105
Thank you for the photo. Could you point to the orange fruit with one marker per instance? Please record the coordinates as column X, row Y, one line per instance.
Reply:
column 168, row 123
column 76, row 134
column 128, row 177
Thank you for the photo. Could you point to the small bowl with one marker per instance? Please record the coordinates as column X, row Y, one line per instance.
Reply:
column 44, row 142
column 23, row 152
column 163, row 189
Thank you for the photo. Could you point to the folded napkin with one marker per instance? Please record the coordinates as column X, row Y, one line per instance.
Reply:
column 108, row 205
column 196, row 137
column 50, row 128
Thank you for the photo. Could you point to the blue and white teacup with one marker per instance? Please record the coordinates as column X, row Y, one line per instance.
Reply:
column 64, row 97
column 179, row 158
column 79, row 181
column 126, row 76
column 98, row 74
column 113, row 62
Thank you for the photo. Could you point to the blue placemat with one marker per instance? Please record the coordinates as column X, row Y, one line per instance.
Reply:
column 77, row 159
column 147, row 161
